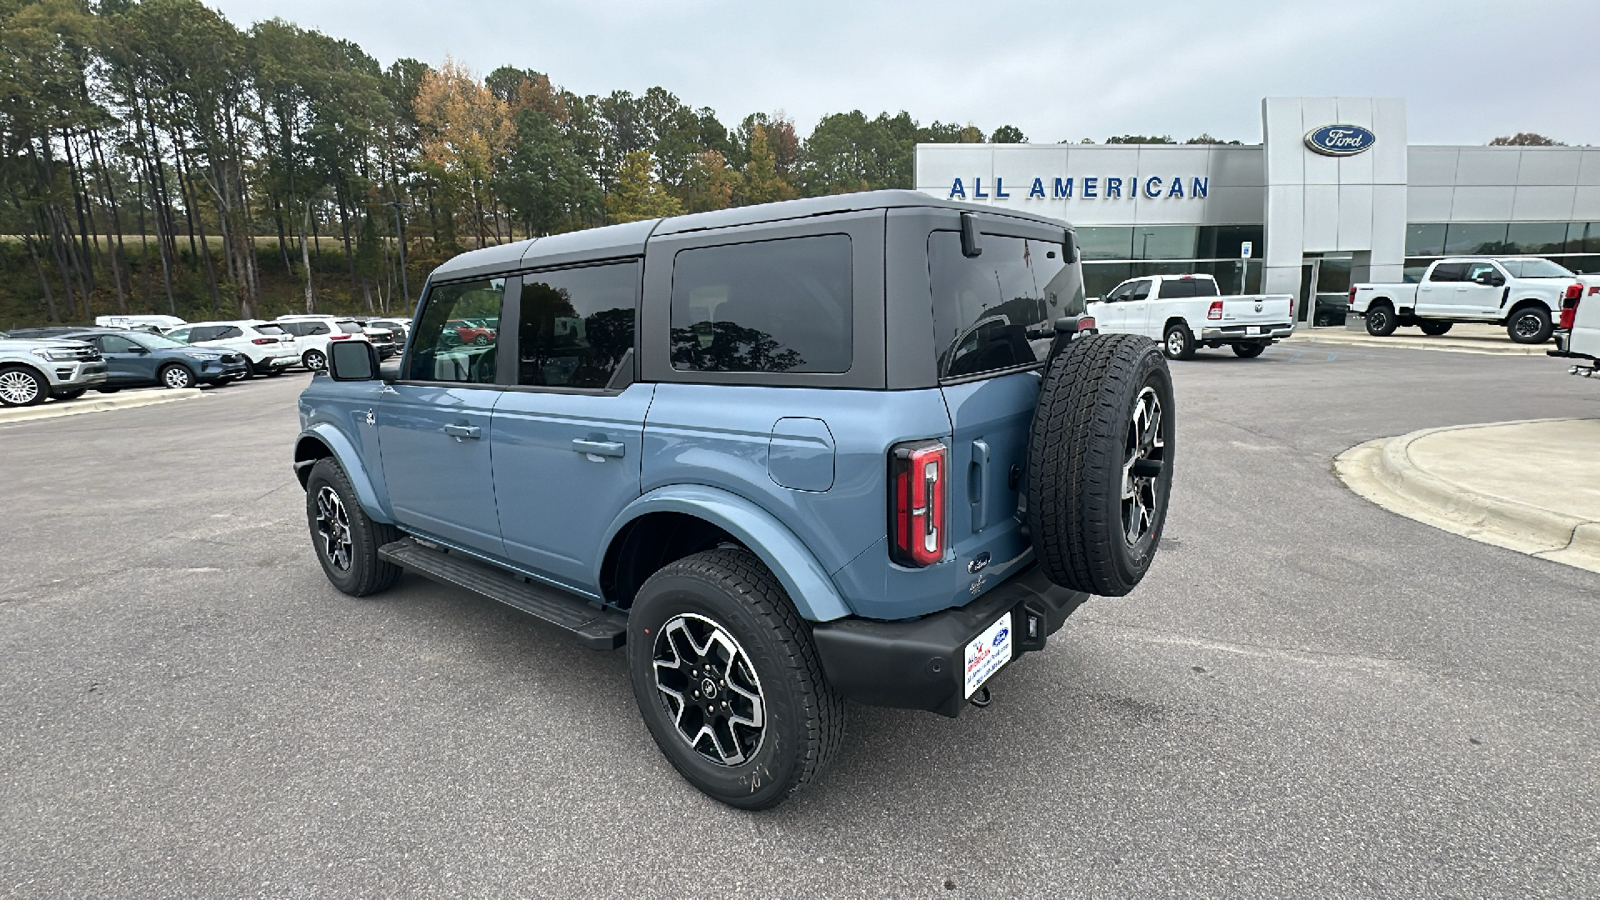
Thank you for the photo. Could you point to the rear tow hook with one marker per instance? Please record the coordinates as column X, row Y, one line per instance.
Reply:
column 981, row 698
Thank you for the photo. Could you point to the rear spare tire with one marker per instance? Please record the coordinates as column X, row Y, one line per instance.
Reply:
column 1100, row 463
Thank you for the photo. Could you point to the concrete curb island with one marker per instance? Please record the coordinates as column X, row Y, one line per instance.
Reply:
column 1530, row 486
column 52, row 409
column 1481, row 339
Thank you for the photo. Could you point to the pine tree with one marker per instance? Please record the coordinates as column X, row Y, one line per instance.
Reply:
column 637, row 194
column 762, row 183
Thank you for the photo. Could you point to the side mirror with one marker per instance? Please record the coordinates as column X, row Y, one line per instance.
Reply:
column 971, row 245
column 140, row 349
column 1071, row 244
column 352, row 361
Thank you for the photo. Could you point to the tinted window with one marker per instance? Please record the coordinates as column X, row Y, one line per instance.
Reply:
column 349, row 327
column 438, row 353
column 774, row 306
column 1448, row 272
column 1140, row 291
column 272, row 330
column 111, row 343
column 994, row 311
column 577, row 325
column 1182, row 287
column 1204, row 287
column 1478, row 269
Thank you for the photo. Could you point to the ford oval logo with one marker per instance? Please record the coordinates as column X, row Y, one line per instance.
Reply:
column 1340, row 140
column 978, row 562
column 1000, row 638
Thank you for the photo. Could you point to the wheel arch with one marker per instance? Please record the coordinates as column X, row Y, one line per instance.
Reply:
column 692, row 506
column 322, row 441
column 1175, row 320
column 1523, row 303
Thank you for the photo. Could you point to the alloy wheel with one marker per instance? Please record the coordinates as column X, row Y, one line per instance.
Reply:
column 1145, row 458
column 18, row 388
column 1528, row 325
column 709, row 689
column 176, row 377
column 333, row 528
column 1175, row 344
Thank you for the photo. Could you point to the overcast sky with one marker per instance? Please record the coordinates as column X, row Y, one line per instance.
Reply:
column 1468, row 70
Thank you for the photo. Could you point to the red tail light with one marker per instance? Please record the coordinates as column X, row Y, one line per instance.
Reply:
column 1085, row 323
column 1352, row 301
column 1215, row 312
column 264, row 340
column 340, row 337
column 1569, row 311
column 1574, row 291
column 916, row 503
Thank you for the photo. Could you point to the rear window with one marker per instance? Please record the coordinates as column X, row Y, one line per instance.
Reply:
column 269, row 329
column 1204, row 287
column 349, row 327
column 770, row 306
column 997, row 310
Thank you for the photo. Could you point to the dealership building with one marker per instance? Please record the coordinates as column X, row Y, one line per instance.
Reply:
column 1333, row 195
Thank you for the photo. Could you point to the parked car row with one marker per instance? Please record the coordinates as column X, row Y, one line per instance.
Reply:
column 64, row 361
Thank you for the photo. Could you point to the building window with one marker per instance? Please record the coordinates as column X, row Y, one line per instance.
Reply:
column 1425, row 239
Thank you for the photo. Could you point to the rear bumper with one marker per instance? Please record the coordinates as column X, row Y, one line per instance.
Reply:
column 920, row 664
column 1243, row 333
column 1563, row 347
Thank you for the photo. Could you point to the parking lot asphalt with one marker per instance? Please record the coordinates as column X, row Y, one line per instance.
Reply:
column 1307, row 695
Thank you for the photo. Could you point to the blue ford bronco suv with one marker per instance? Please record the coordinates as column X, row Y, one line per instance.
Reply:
column 862, row 447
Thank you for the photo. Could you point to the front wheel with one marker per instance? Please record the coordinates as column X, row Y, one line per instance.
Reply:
column 176, row 376
column 345, row 537
column 20, row 386
column 1530, row 325
column 1178, row 342
column 1434, row 329
column 1249, row 351
column 728, row 680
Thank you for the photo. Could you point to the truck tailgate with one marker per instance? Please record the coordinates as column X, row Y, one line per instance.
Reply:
column 1262, row 309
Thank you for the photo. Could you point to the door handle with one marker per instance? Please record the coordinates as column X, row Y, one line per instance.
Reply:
column 613, row 449
column 463, row 431
column 977, row 482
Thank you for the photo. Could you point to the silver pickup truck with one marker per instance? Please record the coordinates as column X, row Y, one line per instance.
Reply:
column 34, row 371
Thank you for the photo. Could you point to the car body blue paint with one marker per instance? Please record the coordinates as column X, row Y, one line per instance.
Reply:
column 805, row 580
column 800, row 454
column 350, row 459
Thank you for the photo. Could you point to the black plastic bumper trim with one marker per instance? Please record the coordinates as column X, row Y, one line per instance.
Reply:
column 918, row 664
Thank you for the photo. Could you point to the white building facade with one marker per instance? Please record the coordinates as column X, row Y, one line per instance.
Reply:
column 1332, row 195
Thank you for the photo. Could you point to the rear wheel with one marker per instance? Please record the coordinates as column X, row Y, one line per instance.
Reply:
column 315, row 360
column 1530, row 325
column 1249, row 351
column 1100, row 455
column 20, row 386
column 1381, row 321
column 728, row 680
column 1178, row 342
column 1434, row 329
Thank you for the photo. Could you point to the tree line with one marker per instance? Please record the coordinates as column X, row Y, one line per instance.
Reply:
column 159, row 158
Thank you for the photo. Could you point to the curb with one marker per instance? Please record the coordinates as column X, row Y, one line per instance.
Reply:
column 1438, row 344
column 1383, row 472
column 59, row 408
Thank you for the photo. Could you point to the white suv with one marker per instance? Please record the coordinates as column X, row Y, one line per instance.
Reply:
column 314, row 333
column 267, row 348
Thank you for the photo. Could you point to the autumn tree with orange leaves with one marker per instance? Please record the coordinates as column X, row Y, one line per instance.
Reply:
column 464, row 130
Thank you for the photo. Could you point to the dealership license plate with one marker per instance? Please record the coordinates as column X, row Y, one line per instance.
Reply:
column 1255, row 329
column 987, row 652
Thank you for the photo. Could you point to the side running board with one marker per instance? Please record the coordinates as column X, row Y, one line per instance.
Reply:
column 596, row 628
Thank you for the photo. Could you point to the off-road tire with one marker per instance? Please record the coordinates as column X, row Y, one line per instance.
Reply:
column 366, row 574
column 22, row 387
column 1381, row 320
column 1177, row 342
column 803, row 716
column 1434, row 329
column 1076, row 462
column 1530, row 325
column 1249, row 350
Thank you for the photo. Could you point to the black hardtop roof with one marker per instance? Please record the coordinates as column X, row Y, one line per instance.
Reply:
column 628, row 239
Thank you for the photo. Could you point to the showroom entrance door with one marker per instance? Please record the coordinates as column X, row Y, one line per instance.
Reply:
column 1324, row 290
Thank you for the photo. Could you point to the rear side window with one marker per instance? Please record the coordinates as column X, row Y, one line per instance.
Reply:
column 1204, row 287
column 996, row 311
column 771, row 306
column 271, row 330
column 1448, row 272
column 577, row 325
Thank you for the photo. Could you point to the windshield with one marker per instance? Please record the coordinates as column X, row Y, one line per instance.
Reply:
column 1535, row 268
column 159, row 342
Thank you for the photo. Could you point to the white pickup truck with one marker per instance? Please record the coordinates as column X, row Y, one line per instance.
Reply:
column 1186, row 312
column 1578, row 334
column 1522, row 293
